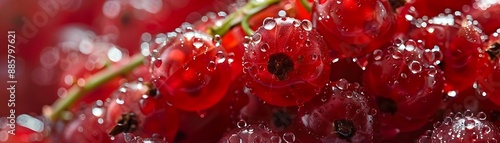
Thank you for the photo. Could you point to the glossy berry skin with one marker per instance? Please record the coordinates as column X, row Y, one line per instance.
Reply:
column 286, row 62
column 341, row 114
column 463, row 127
column 211, row 124
column 137, row 108
column 351, row 35
column 257, row 133
column 462, row 44
column 190, row 69
column 490, row 83
column 406, row 86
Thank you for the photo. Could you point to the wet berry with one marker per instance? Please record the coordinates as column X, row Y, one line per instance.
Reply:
column 463, row 127
column 405, row 83
column 350, row 35
column 286, row 62
column 342, row 113
column 190, row 69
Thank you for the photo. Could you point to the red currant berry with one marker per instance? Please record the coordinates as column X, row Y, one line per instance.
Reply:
column 286, row 62
column 462, row 45
column 136, row 108
column 210, row 125
column 342, row 113
column 463, row 127
column 490, row 83
column 405, row 84
column 190, row 69
column 350, row 35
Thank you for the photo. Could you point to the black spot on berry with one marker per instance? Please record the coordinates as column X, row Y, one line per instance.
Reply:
column 395, row 4
column 126, row 18
column 345, row 129
column 281, row 119
column 280, row 65
column 494, row 51
column 387, row 105
column 127, row 123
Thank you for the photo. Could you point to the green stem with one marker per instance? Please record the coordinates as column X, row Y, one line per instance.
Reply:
column 306, row 5
column 251, row 8
column 96, row 80
column 245, row 26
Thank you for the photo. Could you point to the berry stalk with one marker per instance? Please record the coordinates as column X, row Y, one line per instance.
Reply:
column 96, row 80
column 306, row 5
column 251, row 8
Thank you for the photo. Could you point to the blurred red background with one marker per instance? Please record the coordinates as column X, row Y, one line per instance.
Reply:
column 38, row 23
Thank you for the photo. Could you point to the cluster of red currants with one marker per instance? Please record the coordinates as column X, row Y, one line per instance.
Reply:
column 273, row 71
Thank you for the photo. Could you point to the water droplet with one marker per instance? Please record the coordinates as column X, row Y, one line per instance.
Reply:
column 415, row 67
column 211, row 66
column 217, row 39
column 481, row 116
column 264, row 47
column 197, row 42
column 468, row 113
column 289, row 49
column 275, row 139
column 256, row 38
column 342, row 84
column 377, row 54
column 234, row 139
column 306, row 25
column 221, row 57
column 157, row 63
column 403, row 75
column 289, row 137
column 296, row 23
column 470, row 124
column 97, row 112
column 241, row 124
column 314, row 57
column 269, row 23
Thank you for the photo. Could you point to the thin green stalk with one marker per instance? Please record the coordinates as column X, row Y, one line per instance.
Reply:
column 96, row 80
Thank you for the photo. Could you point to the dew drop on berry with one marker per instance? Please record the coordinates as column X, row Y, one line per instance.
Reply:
column 275, row 139
column 157, row 63
column 264, row 47
column 241, row 124
column 377, row 54
column 481, row 116
column 296, row 23
column 211, row 66
column 234, row 139
column 197, row 42
column 217, row 39
column 220, row 57
column 289, row 137
column 269, row 23
column 342, row 84
column 306, row 25
column 256, row 38
column 415, row 67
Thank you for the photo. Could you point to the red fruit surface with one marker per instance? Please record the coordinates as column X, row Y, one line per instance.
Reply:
column 406, row 85
column 350, row 35
column 191, row 70
column 286, row 62
column 341, row 114
column 463, row 127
